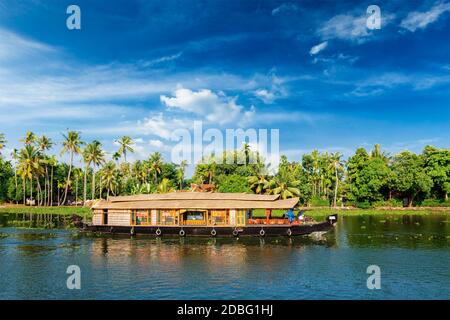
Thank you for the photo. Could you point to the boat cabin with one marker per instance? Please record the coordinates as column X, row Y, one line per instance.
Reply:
column 189, row 209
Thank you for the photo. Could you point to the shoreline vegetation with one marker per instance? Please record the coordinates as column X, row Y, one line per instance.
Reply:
column 85, row 212
column 34, row 181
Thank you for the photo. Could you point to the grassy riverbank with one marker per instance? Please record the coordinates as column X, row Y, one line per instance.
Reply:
column 65, row 211
column 319, row 213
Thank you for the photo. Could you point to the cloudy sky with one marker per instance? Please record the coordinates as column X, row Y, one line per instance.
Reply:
column 144, row 68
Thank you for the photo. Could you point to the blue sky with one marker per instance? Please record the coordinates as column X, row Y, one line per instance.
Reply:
column 311, row 69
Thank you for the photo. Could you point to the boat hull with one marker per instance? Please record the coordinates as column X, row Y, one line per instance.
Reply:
column 218, row 231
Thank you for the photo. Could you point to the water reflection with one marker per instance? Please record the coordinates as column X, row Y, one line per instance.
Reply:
column 33, row 263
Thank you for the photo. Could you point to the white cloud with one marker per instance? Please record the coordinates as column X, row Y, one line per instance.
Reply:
column 273, row 90
column 345, row 27
column 317, row 48
column 14, row 46
column 420, row 20
column 156, row 143
column 349, row 27
column 378, row 85
column 214, row 107
column 285, row 7
column 162, row 59
column 265, row 95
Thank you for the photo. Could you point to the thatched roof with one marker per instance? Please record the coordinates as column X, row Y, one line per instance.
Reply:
column 198, row 204
column 197, row 200
column 196, row 196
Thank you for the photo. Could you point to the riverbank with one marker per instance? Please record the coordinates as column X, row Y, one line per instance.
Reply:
column 63, row 210
column 322, row 212
column 259, row 213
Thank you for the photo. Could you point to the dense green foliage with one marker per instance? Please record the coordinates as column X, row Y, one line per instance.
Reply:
column 364, row 180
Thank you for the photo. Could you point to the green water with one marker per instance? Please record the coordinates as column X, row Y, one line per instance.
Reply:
column 412, row 253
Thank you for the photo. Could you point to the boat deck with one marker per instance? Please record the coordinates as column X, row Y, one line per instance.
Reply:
column 213, row 231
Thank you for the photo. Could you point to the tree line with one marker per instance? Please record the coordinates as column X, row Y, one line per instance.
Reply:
column 365, row 179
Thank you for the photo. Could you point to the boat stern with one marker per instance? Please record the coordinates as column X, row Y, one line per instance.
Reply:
column 332, row 219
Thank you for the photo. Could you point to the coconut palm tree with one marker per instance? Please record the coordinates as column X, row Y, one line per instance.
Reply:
column 180, row 173
column 259, row 180
column 126, row 145
column 336, row 165
column 378, row 153
column 116, row 156
column 109, row 177
column 52, row 163
column 29, row 139
column 44, row 144
column 29, row 166
column 156, row 163
column 247, row 152
column 72, row 145
column 2, row 142
column 165, row 186
column 15, row 157
column 285, row 188
column 77, row 173
column 93, row 154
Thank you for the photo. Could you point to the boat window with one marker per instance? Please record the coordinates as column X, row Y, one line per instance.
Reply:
column 169, row 217
column 218, row 217
column 140, row 217
column 194, row 217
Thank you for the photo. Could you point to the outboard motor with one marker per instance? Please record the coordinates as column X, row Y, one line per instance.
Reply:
column 332, row 219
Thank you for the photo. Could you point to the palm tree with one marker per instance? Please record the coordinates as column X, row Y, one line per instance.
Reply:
column 247, row 152
column 93, row 154
column 29, row 166
column 336, row 165
column 181, row 172
column 2, row 142
column 126, row 144
column 164, row 186
column 116, row 156
column 15, row 157
column 316, row 174
column 30, row 138
column 52, row 162
column 259, row 180
column 285, row 188
column 378, row 153
column 44, row 143
column 76, row 175
column 156, row 165
column 71, row 144
column 109, row 176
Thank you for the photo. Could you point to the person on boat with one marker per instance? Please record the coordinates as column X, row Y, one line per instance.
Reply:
column 290, row 215
column 301, row 216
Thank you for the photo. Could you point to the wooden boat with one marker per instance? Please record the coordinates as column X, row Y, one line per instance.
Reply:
column 199, row 214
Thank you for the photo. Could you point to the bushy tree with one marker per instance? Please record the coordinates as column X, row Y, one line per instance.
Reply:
column 410, row 177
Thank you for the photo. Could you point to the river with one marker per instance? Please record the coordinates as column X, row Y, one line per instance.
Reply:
column 412, row 253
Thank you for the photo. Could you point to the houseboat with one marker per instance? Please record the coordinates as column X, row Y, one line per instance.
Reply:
column 200, row 214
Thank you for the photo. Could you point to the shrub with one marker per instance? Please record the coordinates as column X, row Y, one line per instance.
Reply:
column 364, row 205
column 434, row 203
column 319, row 202
column 388, row 203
